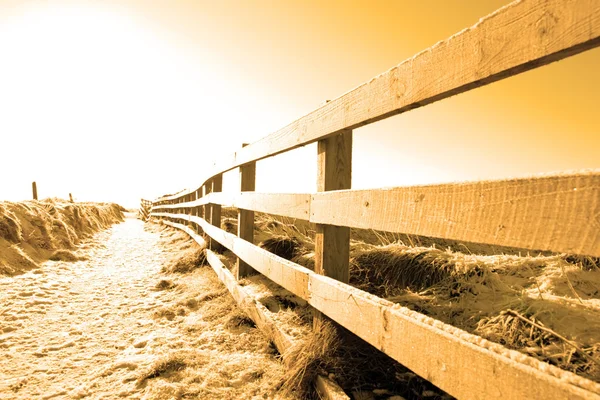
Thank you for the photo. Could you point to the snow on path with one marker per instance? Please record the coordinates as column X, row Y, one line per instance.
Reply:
column 67, row 328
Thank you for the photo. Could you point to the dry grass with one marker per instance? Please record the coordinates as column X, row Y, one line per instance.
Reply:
column 223, row 355
column 190, row 260
column 165, row 284
column 65, row 255
column 286, row 247
column 545, row 305
column 474, row 291
column 309, row 359
column 34, row 231
column 165, row 366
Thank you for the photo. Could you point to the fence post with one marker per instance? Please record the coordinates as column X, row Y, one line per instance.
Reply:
column 215, row 209
column 332, row 243
column 34, row 188
column 208, row 207
column 197, row 195
column 246, row 217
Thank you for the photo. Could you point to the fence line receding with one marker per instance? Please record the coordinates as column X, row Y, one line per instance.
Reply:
column 559, row 213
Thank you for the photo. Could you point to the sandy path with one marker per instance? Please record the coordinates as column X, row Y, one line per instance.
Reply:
column 71, row 330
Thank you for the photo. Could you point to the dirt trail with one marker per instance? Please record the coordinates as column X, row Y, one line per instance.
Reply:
column 86, row 328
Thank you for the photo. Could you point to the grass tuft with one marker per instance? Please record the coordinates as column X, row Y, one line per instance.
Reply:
column 188, row 262
column 65, row 255
column 164, row 366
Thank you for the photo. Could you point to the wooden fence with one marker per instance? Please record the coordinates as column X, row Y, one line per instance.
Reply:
column 558, row 213
column 144, row 211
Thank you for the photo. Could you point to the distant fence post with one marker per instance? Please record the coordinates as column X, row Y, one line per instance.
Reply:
column 215, row 209
column 34, row 189
column 246, row 217
column 332, row 243
column 71, row 197
column 196, row 211
column 207, row 188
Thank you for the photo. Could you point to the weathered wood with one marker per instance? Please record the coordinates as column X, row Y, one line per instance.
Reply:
column 542, row 32
column 34, row 190
column 287, row 274
column 464, row 365
column 225, row 238
column 206, row 189
column 215, row 209
column 556, row 213
column 293, row 205
column 332, row 243
column 246, row 215
column 327, row 388
column 199, row 239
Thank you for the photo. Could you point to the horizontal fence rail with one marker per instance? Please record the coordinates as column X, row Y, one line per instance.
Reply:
column 554, row 213
column 518, row 37
column 462, row 364
column 559, row 213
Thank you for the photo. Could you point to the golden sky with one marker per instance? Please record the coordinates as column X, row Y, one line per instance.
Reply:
column 116, row 100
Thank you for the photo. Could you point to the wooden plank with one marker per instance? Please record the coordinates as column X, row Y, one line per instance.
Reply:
column 327, row 388
column 215, row 209
column 464, row 365
column 542, row 32
column 206, row 189
column 249, row 305
column 246, row 215
column 285, row 273
column 293, row 205
column 225, row 238
column 199, row 239
column 557, row 213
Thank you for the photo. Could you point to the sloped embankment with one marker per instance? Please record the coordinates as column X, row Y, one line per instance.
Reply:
column 34, row 231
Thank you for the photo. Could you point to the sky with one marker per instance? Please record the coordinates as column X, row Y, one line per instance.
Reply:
column 121, row 100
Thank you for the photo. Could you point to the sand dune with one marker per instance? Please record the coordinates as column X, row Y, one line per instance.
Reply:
column 34, row 231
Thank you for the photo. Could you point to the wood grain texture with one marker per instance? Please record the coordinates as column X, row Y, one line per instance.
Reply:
column 215, row 209
column 196, row 210
column 246, row 302
column 518, row 37
column 246, row 215
column 249, row 305
column 326, row 388
column 332, row 243
column 293, row 205
column 329, row 390
column 287, row 274
column 464, row 365
column 556, row 213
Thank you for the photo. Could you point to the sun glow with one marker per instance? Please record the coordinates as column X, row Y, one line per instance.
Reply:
column 117, row 100
column 93, row 95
